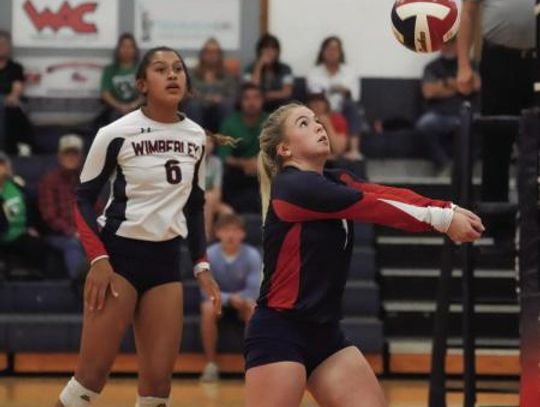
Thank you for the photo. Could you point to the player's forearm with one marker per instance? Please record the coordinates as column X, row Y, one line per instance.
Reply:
column 386, row 192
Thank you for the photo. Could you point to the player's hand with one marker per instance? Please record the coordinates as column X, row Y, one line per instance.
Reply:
column 211, row 289
column 465, row 227
column 465, row 80
column 98, row 283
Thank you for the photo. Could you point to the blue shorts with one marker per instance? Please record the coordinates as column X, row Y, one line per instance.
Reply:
column 144, row 264
column 273, row 337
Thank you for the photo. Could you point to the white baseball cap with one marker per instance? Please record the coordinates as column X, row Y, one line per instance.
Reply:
column 70, row 142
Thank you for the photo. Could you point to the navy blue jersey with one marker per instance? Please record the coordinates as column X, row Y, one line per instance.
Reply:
column 308, row 235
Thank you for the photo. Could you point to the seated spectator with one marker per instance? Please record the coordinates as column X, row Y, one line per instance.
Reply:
column 214, row 205
column 56, row 194
column 240, row 184
column 334, row 122
column 443, row 102
column 340, row 85
column 16, row 132
column 270, row 74
column 214, row 89
column 236, row 266
column 118, row 90
column 17, row 236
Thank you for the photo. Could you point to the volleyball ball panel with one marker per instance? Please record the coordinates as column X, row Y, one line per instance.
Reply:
column 424, row 25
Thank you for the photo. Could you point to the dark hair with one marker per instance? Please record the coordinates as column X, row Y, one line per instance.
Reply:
column 121, row 39
column 317, row 97
column 5, row 34
column 147, row 58
column 325, row 44
column 230, row 220
column 246, row 87
column 266, row 41
column 201, row 67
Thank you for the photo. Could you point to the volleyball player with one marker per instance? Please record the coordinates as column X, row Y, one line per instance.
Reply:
column 294, row 340
column 154, row 157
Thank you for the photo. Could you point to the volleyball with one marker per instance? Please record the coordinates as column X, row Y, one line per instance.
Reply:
column 424, row 25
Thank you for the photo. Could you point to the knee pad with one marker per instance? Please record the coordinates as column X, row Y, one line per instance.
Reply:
column 152, row 402
column 76, row 395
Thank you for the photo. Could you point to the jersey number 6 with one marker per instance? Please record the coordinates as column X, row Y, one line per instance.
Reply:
column 173, row 171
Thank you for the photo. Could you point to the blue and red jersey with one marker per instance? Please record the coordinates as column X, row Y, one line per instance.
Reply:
column 308, row 235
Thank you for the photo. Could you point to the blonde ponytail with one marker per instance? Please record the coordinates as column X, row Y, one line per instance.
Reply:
column 265, row 183
column 221, row 139
column 269, row 162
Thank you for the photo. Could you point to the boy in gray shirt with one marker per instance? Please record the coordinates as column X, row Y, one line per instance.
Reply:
column 237, row 268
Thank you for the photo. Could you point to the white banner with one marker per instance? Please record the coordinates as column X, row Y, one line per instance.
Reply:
column 63, row 77
column 65, row 23
column 187, row 24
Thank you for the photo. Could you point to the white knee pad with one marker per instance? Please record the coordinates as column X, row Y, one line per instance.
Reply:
column 152, row 402
column 76, row 395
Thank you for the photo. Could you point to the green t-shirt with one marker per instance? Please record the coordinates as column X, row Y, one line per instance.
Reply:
column 120, row 82
column 14, row 208
column 248, row 137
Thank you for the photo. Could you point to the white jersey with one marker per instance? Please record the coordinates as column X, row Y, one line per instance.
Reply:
column 153, row 168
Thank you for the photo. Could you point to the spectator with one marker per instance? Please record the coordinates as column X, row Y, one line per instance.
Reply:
column 338, row 82
column 118, row 90
column 270, row 74
column 334, row 122
column 56, row 195
column 240, row 185
column 237, row 268
column 507, row 70
column 443, row 102
column 214, row 88
column 16, row 132
column 214, row 181
column 17, row 236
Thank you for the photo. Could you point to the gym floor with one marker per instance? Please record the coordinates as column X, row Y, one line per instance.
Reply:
column 120, row 392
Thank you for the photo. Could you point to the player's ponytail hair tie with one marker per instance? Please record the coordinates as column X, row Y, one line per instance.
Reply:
column 269, row 162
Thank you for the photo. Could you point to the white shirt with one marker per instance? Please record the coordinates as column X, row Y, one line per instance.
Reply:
column 320, row 80
column 154, row 166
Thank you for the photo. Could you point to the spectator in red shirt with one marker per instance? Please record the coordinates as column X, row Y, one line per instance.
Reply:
column 55, row 198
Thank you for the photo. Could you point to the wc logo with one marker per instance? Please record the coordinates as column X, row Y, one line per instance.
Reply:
column 66, row 16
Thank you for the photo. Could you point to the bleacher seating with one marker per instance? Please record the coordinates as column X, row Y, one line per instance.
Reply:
column 405, row 265
column 45, row 316
column 409, row 270
column 398, row 112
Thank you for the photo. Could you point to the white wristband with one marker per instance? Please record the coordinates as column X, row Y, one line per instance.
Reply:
column 201, row 267
column 98, row 258
column 440, row 218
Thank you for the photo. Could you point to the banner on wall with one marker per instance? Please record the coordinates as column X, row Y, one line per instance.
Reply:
column 65, row 23
column 63, row 77
column 187, row 24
